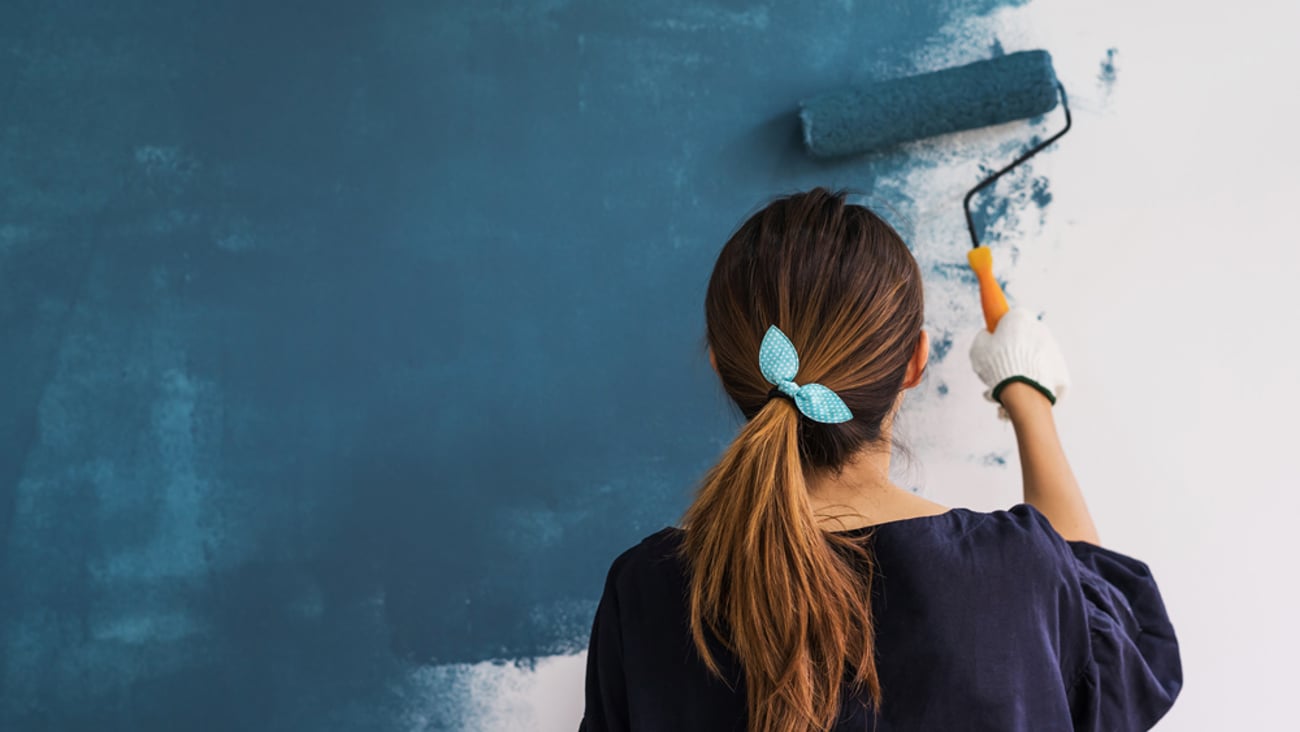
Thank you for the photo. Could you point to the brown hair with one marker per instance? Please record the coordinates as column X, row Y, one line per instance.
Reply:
column 790, row 599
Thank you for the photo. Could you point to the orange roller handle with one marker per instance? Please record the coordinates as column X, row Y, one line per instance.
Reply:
column 992, row 299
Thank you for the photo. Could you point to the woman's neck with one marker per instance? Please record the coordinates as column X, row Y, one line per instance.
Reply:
column 862, row 494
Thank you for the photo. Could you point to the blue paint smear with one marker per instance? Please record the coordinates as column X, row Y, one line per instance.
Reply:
column 290, row 323
column 942, row 389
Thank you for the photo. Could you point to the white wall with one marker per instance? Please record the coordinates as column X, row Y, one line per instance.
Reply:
column 1169, row 272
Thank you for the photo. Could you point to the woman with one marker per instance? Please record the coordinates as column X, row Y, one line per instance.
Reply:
column 805, row 591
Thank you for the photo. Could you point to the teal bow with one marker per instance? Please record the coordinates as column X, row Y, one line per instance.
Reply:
column 779, row 363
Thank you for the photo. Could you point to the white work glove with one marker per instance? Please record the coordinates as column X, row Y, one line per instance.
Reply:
column 1021, row 349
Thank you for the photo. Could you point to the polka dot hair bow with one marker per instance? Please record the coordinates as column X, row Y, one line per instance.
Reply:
column 779, row 363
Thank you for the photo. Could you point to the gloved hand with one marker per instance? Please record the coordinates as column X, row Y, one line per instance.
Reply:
column 1021, row 349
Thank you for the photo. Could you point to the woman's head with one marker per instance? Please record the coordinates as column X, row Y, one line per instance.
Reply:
column 791, row 600
column 842, row 285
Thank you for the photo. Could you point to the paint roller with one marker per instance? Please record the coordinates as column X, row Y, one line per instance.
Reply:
column 1003, row 89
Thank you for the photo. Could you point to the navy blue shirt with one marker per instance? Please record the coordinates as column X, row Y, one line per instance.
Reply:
column 984, row 621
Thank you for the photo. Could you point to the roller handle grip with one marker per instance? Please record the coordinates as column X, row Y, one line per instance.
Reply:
column 992, row 299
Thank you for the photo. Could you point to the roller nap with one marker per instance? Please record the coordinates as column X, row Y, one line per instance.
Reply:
column 887, row 113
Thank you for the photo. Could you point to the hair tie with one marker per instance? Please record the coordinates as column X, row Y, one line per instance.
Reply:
column 779, row 363
column 775, row 392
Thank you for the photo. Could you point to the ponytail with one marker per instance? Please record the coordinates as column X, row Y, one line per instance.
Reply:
column 788, row 599
column 791, row 601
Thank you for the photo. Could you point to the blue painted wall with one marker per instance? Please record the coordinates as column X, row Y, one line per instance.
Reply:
column 344, row 338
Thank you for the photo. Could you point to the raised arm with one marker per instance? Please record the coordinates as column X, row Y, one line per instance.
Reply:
column 1050, row 485
column 1025, row 373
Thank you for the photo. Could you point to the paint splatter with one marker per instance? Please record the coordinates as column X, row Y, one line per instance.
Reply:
column 994, row 459
column 1107, row 75
column 942, row 389
column 939, row 347
column 954, row 271
column 999, row 209
column 1040, row 193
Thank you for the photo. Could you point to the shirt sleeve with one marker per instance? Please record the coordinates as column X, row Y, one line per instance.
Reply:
column 1132, row 671
column 606, row 707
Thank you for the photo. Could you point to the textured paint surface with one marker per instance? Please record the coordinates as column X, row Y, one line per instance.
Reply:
column 997, row 210
column 345, row 343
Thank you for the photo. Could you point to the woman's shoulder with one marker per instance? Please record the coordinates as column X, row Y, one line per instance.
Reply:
column 1020, row 524
column 1006, row 555
column 1020, row 536
column 656, row 555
